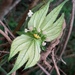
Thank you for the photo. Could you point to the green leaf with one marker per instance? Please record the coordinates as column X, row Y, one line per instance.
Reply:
column 38, row 17
column 20, row 43
column 29, row 55
column 55, row 30
column 35, row 56
column 51, row 17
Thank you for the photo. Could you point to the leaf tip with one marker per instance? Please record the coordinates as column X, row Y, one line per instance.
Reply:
column 9, row 58
column 26, row 67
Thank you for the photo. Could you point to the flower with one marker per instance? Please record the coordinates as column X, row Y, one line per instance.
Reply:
column 26, row 30
column 44, row 43
column 30, row 28
column 30, row 13
column 36, row 36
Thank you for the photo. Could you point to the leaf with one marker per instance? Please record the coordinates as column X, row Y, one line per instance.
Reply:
column 54, row 31
column 29, row 55
column 51, row 17
column 20, row 43
column 38, row 17
column 34, row 57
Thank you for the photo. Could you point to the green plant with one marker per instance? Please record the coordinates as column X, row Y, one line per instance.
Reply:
column 41, row 28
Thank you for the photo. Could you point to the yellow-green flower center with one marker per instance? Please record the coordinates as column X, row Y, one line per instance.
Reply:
column 36, row 36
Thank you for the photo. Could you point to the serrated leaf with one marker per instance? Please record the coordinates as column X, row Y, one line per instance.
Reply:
column 29, row 55
column 54, row 31
column 38, row 17
column 51, row 17
column 19, row 44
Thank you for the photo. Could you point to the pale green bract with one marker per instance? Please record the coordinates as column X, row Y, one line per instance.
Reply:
column 44, row 28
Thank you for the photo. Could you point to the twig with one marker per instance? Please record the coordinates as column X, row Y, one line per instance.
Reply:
column 13, row 5
column 24, row 16
column 43, row 69
column 47, row 63
column 5, row 12
column 62, row 71
column 4, row 7
column 6, row 32
column 55, row 65
column 14, row 73
column 49, row 50
column 4, row 45
column 30, row 70
column 69, row 56
column 70, row 29
column 9, row 40
column 6, row 52
column 6, row 29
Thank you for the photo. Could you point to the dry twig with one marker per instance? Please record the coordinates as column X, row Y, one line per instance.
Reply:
column 6, row 29
column 62, row 71
column 70, row 28
column 6, row 52
column 46, row 72
column 6, row 7
column 6, row 36
column 54, row 61
column 4, row 45
column 14, row 73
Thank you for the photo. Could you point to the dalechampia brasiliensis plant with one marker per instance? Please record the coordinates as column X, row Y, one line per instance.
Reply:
column 42, row 27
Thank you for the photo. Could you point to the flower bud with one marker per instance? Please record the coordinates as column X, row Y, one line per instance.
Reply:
column 30, row 13
column 26, row 30
column 30, row 28
column 44, row 43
